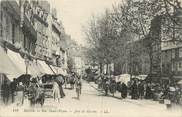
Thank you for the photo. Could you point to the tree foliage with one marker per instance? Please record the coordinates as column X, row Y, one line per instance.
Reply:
column 111, row 35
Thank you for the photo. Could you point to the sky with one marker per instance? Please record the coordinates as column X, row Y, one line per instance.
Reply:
column 75, row 14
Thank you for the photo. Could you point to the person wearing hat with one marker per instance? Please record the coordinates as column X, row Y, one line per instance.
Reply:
column 5, row 92
column 78, row 85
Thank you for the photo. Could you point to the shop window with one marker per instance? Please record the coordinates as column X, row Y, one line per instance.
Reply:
column 180, row 52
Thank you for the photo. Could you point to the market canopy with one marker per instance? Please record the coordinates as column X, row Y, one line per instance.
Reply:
column 124, row 78
column 140, row 77
column 7, row 66
column 45, row 67
column 17, row 60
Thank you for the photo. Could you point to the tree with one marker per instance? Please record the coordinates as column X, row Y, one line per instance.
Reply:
column 143, row 17
column 112, row 34
column 105, row 38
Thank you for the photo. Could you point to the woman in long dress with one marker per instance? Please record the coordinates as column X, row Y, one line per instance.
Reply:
column 56, row 91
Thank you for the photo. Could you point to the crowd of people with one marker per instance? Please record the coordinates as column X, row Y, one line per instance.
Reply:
column 75, row 83
column 34, row 88
column 134, row 89
column 142, row 89
column 10, row 90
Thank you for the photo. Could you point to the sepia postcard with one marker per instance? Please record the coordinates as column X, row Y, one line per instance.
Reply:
column 91, row 58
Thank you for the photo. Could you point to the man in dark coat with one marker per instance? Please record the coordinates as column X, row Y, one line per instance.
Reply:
column 72, row 80
column 113, row 87
column 5, row 92
column 13, row 89
column 148, row 94
column 141, row 90
column 124, row 90
column 134, row 91
column 60, row 82
column 106, row 86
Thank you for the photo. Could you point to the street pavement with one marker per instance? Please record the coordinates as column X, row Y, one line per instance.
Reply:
column 92, row 103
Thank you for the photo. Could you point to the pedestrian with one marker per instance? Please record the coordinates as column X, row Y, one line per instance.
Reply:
column 72, row 80
column 134, row 91
column 78, row 85
column 20, row 93
column 13, row 89
column 60, row 80
column 141, row 90
column 5, row 92
column 148, row 94
column 56, row 91
column 112, row 87
column 124, row 90
column 106, row 86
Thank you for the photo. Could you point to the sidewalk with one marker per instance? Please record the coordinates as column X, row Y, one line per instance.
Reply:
column 117, row 95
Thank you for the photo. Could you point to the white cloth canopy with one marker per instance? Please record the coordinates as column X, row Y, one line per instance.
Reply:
column 123, row 78
column 17, row 60
column 140, row 77
column 7, row 66
column 45, row 67
column 61, row 71
column 58, row 70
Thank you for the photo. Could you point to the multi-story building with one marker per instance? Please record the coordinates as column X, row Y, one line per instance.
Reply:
column 40, row 11
column 26, row 38
column 58, row 52
column 169, row 49
column 17, row 40
column 172, row 59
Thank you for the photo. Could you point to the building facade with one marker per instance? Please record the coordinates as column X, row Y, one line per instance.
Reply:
column 27, row 36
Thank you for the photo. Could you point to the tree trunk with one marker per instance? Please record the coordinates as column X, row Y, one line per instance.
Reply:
column 123, row 69
column 151, row 62
column 101, row 68
column 107, row 68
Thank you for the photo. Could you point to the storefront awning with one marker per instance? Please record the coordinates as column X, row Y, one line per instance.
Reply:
column 61, row 71
column 34, row 70
column 54, row 69
column 58, row 70
column 7, row 66
column 17, row 60
column 46, row 68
